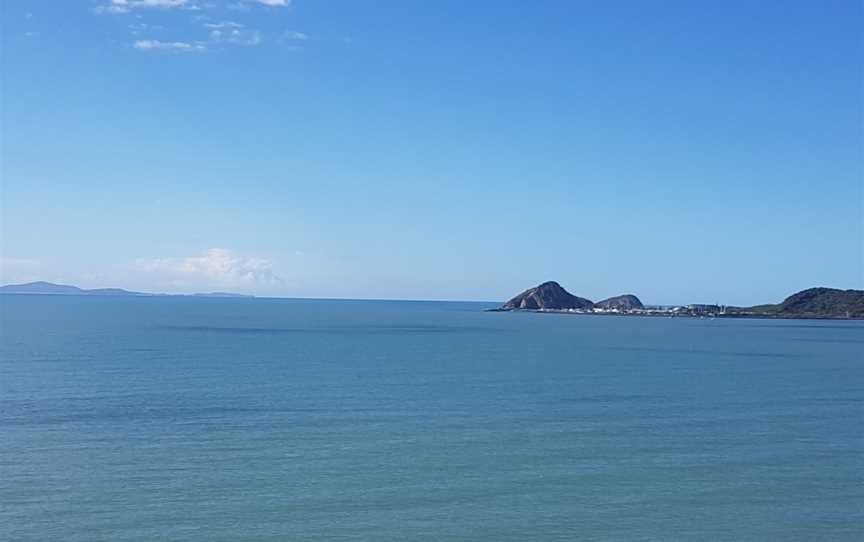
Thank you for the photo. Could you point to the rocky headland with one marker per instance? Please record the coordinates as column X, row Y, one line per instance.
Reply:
column 830, row 303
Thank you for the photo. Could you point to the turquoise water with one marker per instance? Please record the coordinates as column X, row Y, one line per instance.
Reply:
column 256, row 419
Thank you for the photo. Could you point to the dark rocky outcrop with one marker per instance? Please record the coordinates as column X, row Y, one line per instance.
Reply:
column 550, row 296
column 624, row 302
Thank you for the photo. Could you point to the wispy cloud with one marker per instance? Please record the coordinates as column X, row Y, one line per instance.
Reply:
column 274, row 3
column 223, row 25
column 139, row 28
column 292, row 35
column 206, row 31
column 125, row 6
column 216, row 267
column 234, row 33
column 175, row 46
column 243, row 5
column 236, row 36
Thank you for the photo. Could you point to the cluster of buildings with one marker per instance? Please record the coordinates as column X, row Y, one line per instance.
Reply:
column 697, row 310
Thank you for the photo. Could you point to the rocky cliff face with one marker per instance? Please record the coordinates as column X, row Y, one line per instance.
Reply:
column 549, row 295
column 622, row 303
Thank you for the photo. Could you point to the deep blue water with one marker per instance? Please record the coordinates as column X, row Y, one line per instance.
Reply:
column 262, row 419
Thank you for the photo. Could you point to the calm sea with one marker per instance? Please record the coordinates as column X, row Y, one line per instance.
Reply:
column 261, row 419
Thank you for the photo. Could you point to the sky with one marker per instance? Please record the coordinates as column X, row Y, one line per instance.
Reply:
column 683, row 151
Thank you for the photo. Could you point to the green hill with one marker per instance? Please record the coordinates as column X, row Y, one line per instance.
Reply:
column 818, row 302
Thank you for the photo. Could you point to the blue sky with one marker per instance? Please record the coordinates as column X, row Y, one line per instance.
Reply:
column 683, row 151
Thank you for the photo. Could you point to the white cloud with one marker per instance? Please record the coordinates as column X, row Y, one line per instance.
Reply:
column 176, row 46
column 243, row 5
column 234, row 33
column 154, row 3
column 144, row 26
column 236, row 36
column 212, row 34
column 216, row 267
column 136, row 29
column 223, row 24
column 125, row 6
column 293, row 35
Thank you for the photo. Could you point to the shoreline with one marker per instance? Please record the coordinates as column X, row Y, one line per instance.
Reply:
column 753, row 316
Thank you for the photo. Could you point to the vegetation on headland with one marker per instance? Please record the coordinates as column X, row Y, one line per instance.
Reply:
column 811, row 303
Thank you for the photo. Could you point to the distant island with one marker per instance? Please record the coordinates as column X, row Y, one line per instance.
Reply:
column 49, row 288
column 811, row 303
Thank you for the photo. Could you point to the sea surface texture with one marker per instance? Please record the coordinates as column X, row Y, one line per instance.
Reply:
column 261, row 419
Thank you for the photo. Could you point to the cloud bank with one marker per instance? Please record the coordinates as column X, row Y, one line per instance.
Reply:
column 216, row 267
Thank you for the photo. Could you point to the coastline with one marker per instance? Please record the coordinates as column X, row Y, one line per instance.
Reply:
column 670, row 314
column 818, row 303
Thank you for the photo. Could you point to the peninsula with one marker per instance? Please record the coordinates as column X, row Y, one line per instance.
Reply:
column 823, row 303
column 49, row 288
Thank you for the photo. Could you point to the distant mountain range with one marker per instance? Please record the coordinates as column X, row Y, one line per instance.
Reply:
column 49, row 288
column 812, row 303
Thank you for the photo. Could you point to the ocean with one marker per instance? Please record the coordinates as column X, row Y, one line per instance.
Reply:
column 170, row 418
